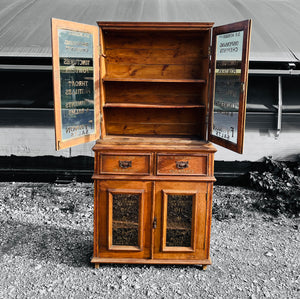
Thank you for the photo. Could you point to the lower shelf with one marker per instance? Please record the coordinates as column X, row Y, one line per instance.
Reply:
column 98, row 260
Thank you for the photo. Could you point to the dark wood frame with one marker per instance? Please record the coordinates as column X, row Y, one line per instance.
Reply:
column 244, row 26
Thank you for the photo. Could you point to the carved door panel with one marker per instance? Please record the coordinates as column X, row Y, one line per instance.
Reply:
column 181, row 213
column 123, row 219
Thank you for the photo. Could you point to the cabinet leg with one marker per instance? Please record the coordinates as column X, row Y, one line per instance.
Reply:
column 204, row 267
column 96, row 265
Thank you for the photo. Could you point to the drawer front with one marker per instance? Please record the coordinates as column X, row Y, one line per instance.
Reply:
column 182, row 164
column 128, row 164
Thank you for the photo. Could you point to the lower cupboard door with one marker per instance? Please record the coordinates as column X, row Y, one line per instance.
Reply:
column 122, row 219
column 182, row 221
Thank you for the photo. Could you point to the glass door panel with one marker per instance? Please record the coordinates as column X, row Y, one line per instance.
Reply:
column 75, row 79
column 230, row 59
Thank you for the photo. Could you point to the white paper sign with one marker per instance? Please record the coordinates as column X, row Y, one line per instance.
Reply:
column 230, row 46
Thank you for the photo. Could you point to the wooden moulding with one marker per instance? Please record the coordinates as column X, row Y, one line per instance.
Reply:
column 98, row 260
column 155, row 178
column 155, row 25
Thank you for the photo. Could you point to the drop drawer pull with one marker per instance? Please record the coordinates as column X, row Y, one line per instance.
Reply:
column 125, row 164
column 182, row 164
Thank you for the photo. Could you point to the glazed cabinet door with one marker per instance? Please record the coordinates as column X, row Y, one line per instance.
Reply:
column 182, row 220
column 122, row 220
column 230, row 60
column 75, row 54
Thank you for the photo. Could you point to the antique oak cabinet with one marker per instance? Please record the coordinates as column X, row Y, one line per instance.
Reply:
column 153, row 95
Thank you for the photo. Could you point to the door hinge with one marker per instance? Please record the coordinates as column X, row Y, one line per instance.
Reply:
column 209, row 50
column 242, row 87
column 154, row 225
column 101, row 52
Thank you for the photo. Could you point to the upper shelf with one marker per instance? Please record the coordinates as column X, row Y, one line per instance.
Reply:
column 108, row 79
column 138, row 105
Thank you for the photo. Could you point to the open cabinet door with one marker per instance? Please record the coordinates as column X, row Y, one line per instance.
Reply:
column 228, row 93
column 76, row 83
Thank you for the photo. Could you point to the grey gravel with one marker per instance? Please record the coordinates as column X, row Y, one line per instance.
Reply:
column 46, row 242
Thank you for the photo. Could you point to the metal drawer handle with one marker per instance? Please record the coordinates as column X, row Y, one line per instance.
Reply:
column 182, row 164
column 125, row 164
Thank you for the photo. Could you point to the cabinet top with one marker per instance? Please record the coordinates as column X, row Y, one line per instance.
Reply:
column 156, row 25
column 154, row 144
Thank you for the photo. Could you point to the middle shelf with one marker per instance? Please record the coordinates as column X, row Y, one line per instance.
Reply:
column 154, row 80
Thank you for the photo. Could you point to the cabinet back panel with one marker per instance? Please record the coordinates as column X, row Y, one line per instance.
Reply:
column 133, row 39
column 153, row 54
column 158, row 71
column 123, row 121
column 154, row 93
column 150, row 56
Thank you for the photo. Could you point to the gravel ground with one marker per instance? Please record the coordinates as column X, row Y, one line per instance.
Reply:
column 46, row 241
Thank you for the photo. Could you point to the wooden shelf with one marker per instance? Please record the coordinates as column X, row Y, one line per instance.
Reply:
column 132, row 105
column 107, row 79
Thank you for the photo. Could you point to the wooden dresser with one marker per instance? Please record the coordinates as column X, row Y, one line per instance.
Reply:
column 153, row 201
column 164, row 91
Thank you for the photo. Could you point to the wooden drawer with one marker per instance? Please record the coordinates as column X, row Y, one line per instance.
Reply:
column 179, row 164
column 135, row 164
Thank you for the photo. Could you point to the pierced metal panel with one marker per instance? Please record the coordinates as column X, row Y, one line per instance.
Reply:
column 125, row 219
column 179, row 220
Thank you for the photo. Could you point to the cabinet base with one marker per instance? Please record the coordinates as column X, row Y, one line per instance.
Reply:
column 98, row 260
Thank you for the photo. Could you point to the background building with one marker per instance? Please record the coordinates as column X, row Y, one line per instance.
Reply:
column 27, row 143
